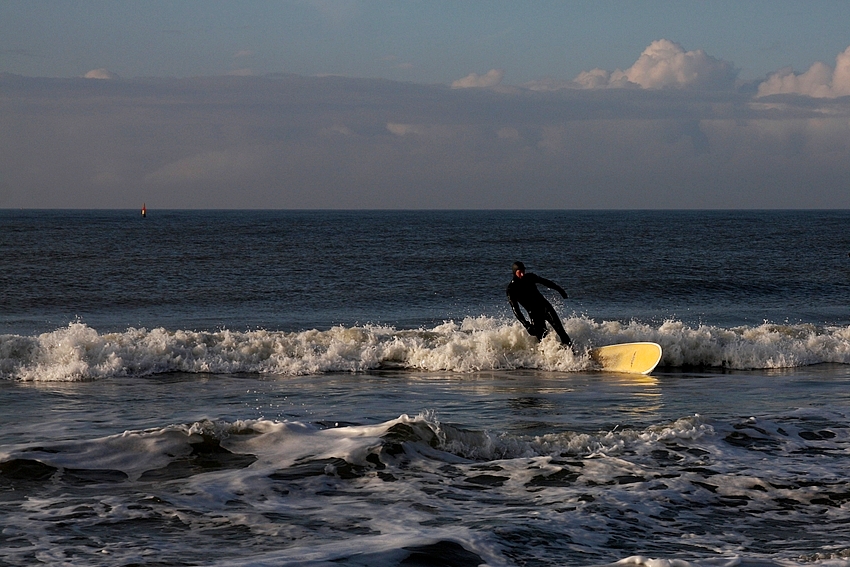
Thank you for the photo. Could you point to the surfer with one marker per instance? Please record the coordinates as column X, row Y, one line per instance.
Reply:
column 523, row 291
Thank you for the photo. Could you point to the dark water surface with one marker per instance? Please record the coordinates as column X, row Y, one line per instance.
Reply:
column 294, row 270
column 349, row 388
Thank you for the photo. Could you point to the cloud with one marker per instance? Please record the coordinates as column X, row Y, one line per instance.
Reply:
column 490, row 79
column 664, row 64
column 820, row 81
column 288, row 141
column 593, row 79
column 101, row 74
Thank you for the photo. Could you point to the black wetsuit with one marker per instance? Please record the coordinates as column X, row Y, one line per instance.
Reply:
column 523, row 291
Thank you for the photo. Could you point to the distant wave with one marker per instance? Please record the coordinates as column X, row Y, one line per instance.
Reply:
column 79, row 352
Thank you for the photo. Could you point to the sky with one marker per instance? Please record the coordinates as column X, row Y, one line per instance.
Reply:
column 424, row 104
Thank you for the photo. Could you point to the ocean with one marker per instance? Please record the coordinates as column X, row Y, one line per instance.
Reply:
column 350, row 388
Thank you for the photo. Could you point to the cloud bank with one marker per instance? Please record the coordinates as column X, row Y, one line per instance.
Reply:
column 820, row 81
column 332, row 142
column 673, row 135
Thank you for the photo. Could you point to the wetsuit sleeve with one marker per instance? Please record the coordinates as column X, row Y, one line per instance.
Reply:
column 552, row 285
column 515, row 306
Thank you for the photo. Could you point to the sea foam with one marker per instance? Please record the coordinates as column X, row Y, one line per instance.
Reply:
column 79, row 352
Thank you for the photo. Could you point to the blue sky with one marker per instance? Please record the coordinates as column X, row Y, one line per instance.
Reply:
column 419, row 41
column 425, row 104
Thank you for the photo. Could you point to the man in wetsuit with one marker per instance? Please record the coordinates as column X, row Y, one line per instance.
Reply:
column 523, row 291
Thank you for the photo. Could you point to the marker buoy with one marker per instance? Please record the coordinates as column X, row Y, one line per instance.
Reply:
column 144, row 210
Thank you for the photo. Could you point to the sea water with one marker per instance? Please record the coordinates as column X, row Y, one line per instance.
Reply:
column 351, row 388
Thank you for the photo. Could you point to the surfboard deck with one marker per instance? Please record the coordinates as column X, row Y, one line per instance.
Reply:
column 632, row 358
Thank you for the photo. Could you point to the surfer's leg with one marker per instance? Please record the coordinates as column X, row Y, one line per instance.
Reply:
column 553, row 319
column 538, row 325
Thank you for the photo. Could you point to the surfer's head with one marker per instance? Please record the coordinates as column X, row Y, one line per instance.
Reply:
column 518, row 267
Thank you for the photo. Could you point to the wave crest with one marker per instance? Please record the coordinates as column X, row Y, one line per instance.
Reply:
column 79, row 352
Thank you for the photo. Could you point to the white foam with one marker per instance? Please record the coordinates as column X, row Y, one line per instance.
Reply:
column 279, row 444
column 79, row 352
column 618, row 481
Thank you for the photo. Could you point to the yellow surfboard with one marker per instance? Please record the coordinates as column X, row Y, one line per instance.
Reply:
column 633, row 358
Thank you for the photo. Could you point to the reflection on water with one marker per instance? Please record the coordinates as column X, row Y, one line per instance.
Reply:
column 526, row 400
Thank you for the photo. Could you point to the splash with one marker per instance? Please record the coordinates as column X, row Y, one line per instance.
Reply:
column 79, row 352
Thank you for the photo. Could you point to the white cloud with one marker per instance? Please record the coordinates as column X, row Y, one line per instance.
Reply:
column 664, row 64
column 100, row 74
column 593, row 79
column 820, row 81
column 490, row 79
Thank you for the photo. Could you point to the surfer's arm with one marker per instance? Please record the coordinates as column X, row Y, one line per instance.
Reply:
column 552, row 285
column 517, row 311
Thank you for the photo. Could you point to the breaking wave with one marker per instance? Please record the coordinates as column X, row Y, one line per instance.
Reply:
column 79, row 352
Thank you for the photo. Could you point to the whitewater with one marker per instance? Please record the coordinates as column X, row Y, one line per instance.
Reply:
column 78, row 352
